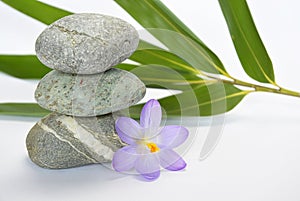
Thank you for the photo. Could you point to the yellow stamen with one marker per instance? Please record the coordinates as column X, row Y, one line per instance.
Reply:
column 153, row 147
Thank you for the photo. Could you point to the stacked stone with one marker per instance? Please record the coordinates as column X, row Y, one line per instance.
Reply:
column 83, row 90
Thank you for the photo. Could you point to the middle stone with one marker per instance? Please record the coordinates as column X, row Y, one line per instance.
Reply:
column 89, row 95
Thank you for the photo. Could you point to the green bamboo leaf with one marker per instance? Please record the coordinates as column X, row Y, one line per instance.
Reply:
column 38, row 10
column 164, row 58
column 29, row 67
column 146, row 45
column 157, row 76
column 22, row 109
column 148, row 54
column 205, row 100
column 212, row 99
column 187, row 49
column 248, row 44
column 23, row 66
column 154, row 14
column 125, row 66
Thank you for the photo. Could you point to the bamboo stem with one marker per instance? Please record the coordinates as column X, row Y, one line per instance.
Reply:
column 256, row 88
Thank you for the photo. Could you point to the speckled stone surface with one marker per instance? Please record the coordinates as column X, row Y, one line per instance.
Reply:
column 86, row 43
column 59, row 141
column 89, row 95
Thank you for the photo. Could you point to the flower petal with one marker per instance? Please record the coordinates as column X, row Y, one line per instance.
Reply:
column 128, row 130
column 151, row 176
column 147, row 164
column 151, row 116
column 124, row 159
column 170, row 160
column 172, row 136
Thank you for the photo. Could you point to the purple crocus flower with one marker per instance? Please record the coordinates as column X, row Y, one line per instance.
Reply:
column 149, row 145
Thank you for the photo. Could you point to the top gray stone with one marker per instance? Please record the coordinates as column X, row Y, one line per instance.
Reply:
column 86, row 43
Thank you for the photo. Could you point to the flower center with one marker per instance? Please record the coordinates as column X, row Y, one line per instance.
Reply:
column 152, row 147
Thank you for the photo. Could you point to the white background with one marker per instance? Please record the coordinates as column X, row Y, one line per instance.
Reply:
column 257, row 158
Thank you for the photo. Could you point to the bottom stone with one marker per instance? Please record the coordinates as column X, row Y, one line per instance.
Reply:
column 59, row 141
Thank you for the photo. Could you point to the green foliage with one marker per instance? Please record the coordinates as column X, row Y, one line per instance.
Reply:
column 249, row 47
column 157, row 76
column 23, row 66
column 162, row 57
column 38, row 10
column 187, row 64
column 22, row 109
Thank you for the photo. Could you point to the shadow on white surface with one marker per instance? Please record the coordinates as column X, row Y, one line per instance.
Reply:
column 76, row 177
